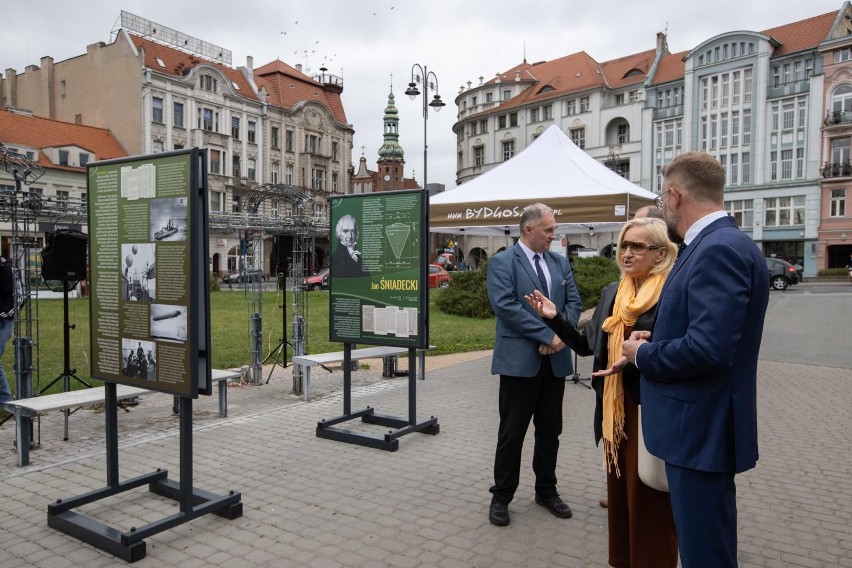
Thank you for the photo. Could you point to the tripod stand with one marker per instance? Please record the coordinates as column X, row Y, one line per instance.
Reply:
column 281, row 350
column 576, row 377
column 67, row 372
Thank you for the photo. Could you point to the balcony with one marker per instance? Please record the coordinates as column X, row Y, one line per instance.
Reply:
column 834, row 117
column 837, row 170
column 788, row 89
column 668, row 112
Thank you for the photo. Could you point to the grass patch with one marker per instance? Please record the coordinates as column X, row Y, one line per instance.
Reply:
column 229, row 319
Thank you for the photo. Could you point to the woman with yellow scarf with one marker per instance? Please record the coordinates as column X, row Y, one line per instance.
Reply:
column 641, row 529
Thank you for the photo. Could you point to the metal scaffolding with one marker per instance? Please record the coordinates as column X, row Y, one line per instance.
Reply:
column 21, row 209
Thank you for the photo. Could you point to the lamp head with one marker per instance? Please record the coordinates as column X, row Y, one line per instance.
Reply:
column 437, row 103
column 412, row 91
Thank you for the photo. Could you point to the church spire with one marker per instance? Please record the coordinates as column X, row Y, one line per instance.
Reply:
column 391, row 150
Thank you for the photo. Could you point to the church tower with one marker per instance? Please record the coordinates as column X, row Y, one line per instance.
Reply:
column 391, row 160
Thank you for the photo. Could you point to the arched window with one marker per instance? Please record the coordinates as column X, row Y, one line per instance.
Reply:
column 841, row 99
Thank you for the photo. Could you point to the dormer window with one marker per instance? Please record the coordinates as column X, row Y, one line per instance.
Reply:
column 63, row 157
column 84, row 159
column 160, row 63
column 208, row 83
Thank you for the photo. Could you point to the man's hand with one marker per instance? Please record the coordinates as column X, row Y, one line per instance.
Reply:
column 556, row 345
column 629, row 348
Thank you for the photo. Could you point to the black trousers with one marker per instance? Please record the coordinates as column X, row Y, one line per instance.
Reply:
column 523, row 399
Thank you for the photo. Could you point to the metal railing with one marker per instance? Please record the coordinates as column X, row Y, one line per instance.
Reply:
column 834, row 170
column 833, row 117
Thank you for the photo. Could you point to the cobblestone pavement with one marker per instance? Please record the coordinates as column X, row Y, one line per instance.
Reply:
column 322, row 503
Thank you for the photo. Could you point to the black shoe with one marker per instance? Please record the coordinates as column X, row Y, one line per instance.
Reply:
column 498, row 513
column 555, row 505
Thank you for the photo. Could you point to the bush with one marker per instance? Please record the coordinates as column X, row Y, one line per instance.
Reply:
column 214, row 283
column 592, row 275
column 833, row 272
column 467, row 294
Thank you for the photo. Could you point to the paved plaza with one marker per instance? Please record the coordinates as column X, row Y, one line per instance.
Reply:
column 321, row 503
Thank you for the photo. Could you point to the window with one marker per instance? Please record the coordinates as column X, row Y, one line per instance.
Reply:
column 157, row 109
column 725, row 89
column 206, row 120
column 578, row 137
column 312, row 143
column 840, row 150
column 335, row 183
column 288, row 174
column 786, row 164
column 177, row 115
column 235, row 167
column 802, row 113
column 62, row 198
column 534, row 115
column 208, row 83
column 275, row 138
column 742, row 211
column 252, row 168
column 735, row 129
column 273, row 173
column 584, row 104
column 571, row 107
column 513, row 119
column 746, row 168
column 235, row 204
column 318, row 178
column 483, row 126
column 735, row 88
column 800, row 163
column 235, row 128
column 215, row 161
column 334, row 150
column 844, row 54
column 724, row 123
column 784, row 211
column 63, row 157
column 747, row 85
column 746, row 127
column 623, row 133
column 274, row 207
column 508, row 149
column 478, row 156
column 501, row 121
column 217, row 201
column 252, row 132
column 773, row 166
column 838, row 203
column 548, row 112
column 84, row 159
column 288, row 140
column 472, row 128
column 489, row 97
column 789, row 116
column 507, row 94
column 734, row 170
column 619, row 99
column 634, row 96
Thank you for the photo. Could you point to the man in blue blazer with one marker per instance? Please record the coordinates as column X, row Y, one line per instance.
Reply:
column 699, row 370
column 531, row 360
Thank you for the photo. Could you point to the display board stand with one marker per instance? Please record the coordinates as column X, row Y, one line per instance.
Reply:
column 130, row 545
column 400, row 426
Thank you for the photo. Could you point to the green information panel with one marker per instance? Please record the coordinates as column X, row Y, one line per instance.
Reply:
column 148, row 272
column 379, row 282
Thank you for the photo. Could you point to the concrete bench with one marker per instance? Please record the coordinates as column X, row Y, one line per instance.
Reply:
column 319, row 359
column 222, row 377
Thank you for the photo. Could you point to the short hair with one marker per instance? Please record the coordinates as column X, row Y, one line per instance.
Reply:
column 532, row 214
column 649, row 211
column 659, row 236
column 339, row 227
column 699, row 173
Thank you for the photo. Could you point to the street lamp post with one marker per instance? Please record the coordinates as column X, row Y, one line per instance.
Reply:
column 427, row 80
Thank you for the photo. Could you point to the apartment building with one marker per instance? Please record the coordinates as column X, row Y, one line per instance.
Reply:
column 158, row 89
column 62, row 150
column 753, row 99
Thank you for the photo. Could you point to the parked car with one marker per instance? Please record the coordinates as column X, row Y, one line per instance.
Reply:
column 254, row 275
column 438, row 277
column 318, row 281
column 781, row 273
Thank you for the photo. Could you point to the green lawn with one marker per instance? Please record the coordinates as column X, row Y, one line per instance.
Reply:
column 230, row 333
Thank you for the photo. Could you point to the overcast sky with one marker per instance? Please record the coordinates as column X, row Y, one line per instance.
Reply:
column 367, row 41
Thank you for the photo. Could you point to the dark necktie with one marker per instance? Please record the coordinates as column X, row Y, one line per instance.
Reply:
column 680, row 248
column 542, row 280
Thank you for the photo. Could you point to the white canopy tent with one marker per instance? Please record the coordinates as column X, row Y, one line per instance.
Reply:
column 584, row 194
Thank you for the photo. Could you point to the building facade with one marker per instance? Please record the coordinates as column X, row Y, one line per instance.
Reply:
column 754, row 100
column 158, row 90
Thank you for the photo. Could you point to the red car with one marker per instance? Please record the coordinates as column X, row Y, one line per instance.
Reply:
column 438, row 277
column 318, row 281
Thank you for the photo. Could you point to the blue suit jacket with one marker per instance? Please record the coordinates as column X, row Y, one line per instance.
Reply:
column 699, row 373
column 519, row 329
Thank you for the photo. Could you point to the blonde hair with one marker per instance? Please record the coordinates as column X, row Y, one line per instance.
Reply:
column 659, row 236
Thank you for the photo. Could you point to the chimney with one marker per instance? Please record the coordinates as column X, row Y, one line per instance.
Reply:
column 517, row 75
column 662, row 44
column 250, row 63
column 299, row 67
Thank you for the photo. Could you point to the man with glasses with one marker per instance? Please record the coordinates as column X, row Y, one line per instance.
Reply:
column 699, row 363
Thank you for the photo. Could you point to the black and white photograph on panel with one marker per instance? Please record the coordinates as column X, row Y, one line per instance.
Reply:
column 138, row 274
column 139, row 359
column 168, row 219
column 168, row 322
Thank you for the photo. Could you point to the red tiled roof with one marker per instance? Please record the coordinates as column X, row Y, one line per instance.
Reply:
column 288, row 86
column 178, row 63
column 671, row 68
column 803, row 34
column 36, row 132
column 614, row 71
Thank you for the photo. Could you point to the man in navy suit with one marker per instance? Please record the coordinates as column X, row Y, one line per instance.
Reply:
column 699, row 370
column 531, row 360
